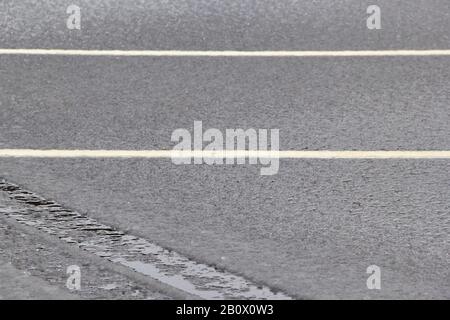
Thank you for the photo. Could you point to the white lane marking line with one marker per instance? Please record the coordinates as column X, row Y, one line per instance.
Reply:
column 286, row 154
column 227, row 53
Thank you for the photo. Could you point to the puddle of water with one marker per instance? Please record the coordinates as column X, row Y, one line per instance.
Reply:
column 133, row 252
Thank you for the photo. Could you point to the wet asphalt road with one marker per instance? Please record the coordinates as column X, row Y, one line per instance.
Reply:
column 310, row 230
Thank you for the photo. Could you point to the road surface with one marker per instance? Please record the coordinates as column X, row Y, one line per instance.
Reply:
column 309, row 231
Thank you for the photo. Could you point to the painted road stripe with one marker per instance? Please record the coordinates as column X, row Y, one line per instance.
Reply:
column 286, row 154
column 227, row 53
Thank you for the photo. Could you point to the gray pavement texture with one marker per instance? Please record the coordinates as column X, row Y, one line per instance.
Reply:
column 310, row 230
column 18, row 285
column 220, row 25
